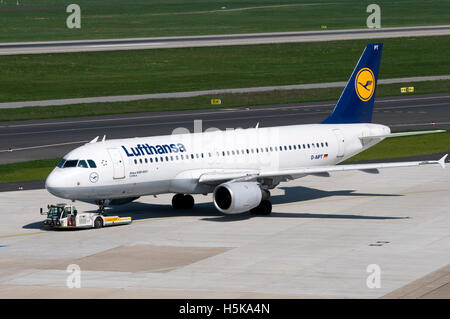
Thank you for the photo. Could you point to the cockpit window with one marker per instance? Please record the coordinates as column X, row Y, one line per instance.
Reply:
column 83, row 164
column 71, row 163
column 92, row 164
column 61, row 163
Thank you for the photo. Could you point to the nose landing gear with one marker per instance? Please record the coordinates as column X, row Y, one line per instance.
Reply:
column 101, row 207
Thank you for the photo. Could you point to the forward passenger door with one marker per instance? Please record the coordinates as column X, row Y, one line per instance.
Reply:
column 118, row 164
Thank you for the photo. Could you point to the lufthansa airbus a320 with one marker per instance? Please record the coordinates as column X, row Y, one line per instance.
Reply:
column 239, row 167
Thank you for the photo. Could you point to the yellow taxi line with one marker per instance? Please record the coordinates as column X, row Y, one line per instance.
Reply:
column 25, row 234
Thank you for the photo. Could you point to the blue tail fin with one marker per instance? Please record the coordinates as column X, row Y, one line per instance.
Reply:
column 356, row 102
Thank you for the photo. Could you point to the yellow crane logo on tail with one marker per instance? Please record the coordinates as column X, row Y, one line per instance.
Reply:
column 365, row 84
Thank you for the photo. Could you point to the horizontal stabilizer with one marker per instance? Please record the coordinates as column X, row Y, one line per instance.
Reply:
column 370, row 137
column 442, row 161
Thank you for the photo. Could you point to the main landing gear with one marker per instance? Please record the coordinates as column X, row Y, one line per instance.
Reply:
column 181, row 201
column 264, row 208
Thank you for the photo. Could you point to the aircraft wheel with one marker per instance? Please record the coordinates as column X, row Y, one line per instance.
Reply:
column 264, row 208
column 177, row 201
column 180, row 201
column 188, row 202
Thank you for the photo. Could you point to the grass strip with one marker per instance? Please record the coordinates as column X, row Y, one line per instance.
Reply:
column 108, row 73
column 44, row 20
column 27, row 171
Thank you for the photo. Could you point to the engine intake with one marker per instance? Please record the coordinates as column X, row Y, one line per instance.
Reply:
column 238, row 197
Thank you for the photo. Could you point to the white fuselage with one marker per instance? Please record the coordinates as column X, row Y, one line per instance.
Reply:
column 134, row 167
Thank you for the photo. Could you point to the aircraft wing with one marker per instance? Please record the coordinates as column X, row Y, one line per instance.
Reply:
column 289, row 174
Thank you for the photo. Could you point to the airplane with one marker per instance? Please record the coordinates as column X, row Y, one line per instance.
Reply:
column 239, row 167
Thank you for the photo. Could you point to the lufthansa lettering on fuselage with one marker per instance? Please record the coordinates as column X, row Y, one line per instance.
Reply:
column 145, row 149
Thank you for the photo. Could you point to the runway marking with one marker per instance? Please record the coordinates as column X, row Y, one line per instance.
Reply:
column 238, row 109
column 411, row 106
column 414, row 99
column 419, row 124
column 41, row 146
column 241, row 9
column 123, row 45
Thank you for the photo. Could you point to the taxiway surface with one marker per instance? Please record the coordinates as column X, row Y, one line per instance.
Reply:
column 319, row 241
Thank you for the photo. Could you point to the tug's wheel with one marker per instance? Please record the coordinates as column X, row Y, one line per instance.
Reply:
column 98, row 222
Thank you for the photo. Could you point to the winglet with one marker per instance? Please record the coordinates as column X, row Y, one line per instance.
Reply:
column 442, row 161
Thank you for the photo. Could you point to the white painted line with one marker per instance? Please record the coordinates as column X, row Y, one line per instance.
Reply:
column 419, row 124
column 41, row 146
column 220, row 111
column 122, row 45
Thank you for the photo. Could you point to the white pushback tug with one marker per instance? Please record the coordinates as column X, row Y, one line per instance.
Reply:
column 67, row 216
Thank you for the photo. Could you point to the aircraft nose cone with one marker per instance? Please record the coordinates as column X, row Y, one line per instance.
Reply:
column 53, row 184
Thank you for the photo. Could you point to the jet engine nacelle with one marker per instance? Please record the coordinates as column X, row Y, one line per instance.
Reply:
column 238, row 197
